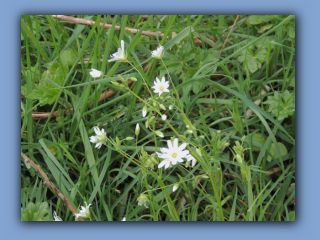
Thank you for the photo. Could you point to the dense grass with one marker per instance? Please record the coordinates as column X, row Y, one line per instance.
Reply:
column 235, row 92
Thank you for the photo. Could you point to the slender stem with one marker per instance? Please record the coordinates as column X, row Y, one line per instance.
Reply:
column 172, row 82
column 141, row 77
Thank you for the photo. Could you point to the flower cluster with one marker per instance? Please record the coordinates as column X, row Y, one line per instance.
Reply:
column 174, row 154
column 158, row 53
column 142, row 200
column 100, row 137
column 120, row 55
column 55, row 217
column 84, row 211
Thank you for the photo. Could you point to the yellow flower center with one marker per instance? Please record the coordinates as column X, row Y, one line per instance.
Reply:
column 161, row 88
column 174, row 155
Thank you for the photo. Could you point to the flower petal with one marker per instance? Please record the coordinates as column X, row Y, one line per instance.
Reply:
column 182, row 146
column 175, row 143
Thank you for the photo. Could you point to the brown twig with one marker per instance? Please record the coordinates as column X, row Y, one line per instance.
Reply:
column 107, row 26
column 225, row 42
column 50, row 184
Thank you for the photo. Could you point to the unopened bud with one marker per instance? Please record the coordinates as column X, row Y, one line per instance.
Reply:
column 162, row 106
column 160, row 134
column 115, row 83
column 175, row 187
column 137, row 131
column 144, row 111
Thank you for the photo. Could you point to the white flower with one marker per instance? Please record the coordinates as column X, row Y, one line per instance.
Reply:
column 100, row 138
column 165, row 163
column 84, row 211
column 158, row 53
column 175, row 187
column 161, row 86
column 164, row 117
column 120, row 55
column 191, row 158
column 142, row 200
column 170, row 107
column 137, row 131
column 95, row 73
column 124, row 219
column 55, row 217
column 174, row 153
column 144, row 111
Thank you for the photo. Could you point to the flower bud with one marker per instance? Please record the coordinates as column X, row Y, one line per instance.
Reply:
column 137, row 131
column 160, row 134
column 170, row 107
column 162, row 106
column 198, row 151
column 151, row 120
column 134, row 79
column 129, row 138
column 115, row 83
column 175, row 187
column 144, row 111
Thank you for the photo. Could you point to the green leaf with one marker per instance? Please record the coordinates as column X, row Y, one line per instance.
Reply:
column 68, row 57
column 35, row 212
column 281, row 105
column 265, row 27
column 282, row 148
column 257, row 19
column 256, row 138
column 253, row 60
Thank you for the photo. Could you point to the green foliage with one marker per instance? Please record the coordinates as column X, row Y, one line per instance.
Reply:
column 46, row 92
column 274, row 153
column 281, row 105
column 258, row 19
column 35, row 212
column 215, row 106
column 289, row 28
column 254, row 56
column 68, row 57
column 256, row 138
